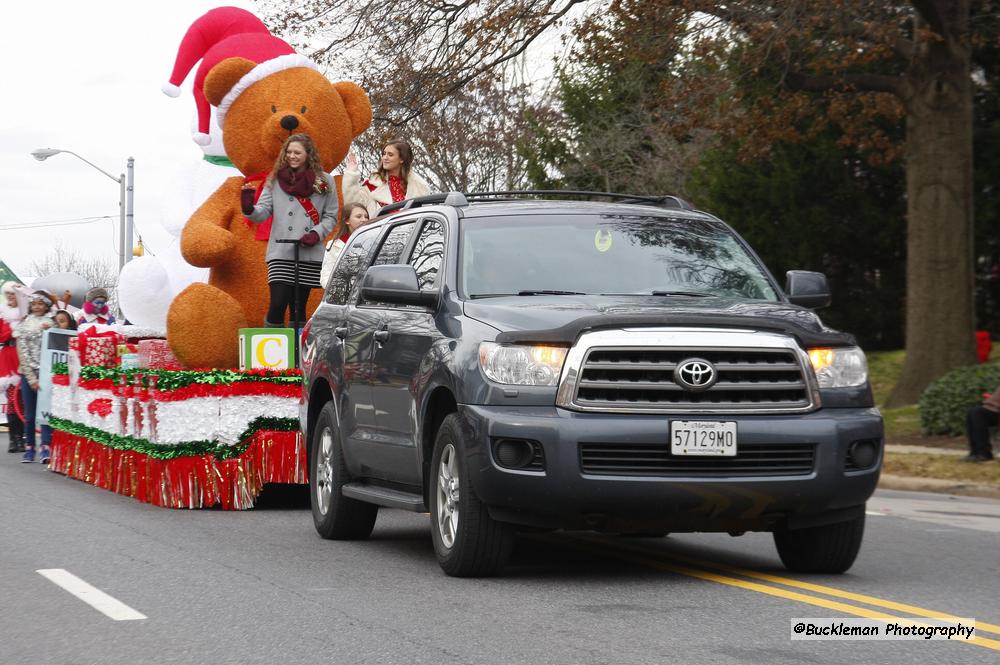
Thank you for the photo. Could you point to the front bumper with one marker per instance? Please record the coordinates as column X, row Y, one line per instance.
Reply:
column 563, row 496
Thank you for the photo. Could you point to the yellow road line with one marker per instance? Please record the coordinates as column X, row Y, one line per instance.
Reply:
column 981, row 626
column 622, row 553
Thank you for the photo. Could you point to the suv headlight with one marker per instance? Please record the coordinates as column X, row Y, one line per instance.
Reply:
column 843, row 367
column 522, row 365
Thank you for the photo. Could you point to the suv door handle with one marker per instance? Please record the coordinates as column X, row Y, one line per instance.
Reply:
column 340, row 332
column 381, row 336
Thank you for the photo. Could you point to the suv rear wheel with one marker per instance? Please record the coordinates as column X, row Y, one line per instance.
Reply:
column 335, row 516
column 467, row 541
column 830, row 548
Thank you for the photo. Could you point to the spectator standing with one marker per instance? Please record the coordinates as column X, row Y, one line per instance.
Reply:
column 393, row 181
column 95, row 308
column 978, row 421
column 10, row 379
column 29, row 352
column 355, row 215
column 303, row 202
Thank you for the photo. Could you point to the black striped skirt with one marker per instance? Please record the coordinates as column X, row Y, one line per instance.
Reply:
column 283, row 271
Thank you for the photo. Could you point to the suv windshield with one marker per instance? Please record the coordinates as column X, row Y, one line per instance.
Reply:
column 606, row 254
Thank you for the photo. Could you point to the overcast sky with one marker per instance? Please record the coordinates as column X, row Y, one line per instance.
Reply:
column 86, row 76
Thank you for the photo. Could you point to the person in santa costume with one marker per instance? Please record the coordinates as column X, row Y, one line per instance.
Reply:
column 10, row 380
column 393, row 181
column 95, row 308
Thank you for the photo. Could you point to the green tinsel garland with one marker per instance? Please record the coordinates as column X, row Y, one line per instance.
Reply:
column 173, row 451
column 169, row 379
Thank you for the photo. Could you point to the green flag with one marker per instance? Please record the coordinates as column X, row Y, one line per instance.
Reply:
column 6, row 274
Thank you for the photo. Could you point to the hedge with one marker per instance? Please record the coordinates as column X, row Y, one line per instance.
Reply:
column 944, row 403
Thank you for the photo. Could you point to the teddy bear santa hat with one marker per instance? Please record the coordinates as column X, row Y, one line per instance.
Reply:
column 228, row 32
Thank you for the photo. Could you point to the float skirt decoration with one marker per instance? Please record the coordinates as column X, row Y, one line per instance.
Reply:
column 179, row 439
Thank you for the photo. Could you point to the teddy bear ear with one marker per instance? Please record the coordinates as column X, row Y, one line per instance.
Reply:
column 223, row 76
column 359, row 109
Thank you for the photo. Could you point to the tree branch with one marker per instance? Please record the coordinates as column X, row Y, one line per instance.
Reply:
column 864, row 82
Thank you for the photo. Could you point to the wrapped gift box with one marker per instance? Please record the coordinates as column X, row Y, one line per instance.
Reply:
column 156, row 354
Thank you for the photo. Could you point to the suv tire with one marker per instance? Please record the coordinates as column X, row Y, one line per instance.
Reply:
column 467, row 541
column 830, row 548
column 335, row 516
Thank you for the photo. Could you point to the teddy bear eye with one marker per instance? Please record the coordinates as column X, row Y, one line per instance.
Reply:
column 303, row 110
column 274, row 109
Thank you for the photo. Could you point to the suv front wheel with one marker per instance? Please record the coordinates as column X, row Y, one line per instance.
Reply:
column 830, row 548
column 335, row 516
column 467, row 541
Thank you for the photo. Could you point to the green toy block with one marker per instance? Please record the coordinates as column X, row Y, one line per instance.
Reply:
column 267, row 348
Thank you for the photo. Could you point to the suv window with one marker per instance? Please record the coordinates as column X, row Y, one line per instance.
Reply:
column 608, row 255
column 427, row 253
column 392, row 247
column 350, row 266
column 391, row 252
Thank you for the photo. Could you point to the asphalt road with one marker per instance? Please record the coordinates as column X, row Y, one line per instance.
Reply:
column 261, row 587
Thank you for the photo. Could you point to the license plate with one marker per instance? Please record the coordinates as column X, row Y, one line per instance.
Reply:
column 699, row 437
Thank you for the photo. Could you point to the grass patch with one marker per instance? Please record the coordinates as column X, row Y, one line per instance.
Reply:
column 948, row 467
column 883, row 372
column 903, row 421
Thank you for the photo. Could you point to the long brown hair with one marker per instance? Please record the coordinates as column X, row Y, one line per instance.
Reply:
column 312, row 158
column 405, row 154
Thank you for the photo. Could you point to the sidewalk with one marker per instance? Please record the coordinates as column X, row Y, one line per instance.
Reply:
column 938, row 469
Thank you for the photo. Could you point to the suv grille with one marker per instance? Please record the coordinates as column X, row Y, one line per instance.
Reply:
column 611, row 459
column 643, row 379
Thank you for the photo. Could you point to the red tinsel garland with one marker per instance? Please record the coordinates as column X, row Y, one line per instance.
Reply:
column 232, row 390
column 196, row 390
column 199, row 481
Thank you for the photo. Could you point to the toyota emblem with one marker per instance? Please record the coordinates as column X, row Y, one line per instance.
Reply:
column 695, row 374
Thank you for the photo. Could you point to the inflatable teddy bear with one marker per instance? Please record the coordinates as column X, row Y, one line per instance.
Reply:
column 263, row 92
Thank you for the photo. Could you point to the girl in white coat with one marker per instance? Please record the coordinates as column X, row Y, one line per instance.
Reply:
column 394, row 180
column 355, row 215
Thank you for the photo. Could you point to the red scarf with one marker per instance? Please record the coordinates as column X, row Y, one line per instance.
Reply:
column 397, row 188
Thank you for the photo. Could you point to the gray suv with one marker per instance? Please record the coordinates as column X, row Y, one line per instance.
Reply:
column 630, row 366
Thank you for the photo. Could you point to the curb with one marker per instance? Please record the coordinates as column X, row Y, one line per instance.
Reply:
column 939, row 485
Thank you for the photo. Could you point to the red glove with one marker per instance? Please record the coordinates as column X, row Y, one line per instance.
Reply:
column 309, row 239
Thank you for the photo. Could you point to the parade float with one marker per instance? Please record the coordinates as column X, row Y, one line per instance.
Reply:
column 209, row 415
column 169, row 436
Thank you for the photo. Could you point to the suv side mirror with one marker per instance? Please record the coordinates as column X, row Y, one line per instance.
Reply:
column 397, row 285
column 807, row 289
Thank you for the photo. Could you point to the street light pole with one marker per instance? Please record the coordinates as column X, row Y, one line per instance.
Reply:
column 129, row 218
column 125, row 216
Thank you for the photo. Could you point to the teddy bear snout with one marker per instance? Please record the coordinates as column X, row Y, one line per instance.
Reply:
column 289, row 122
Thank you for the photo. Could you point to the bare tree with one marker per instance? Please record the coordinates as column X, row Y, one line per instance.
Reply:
column 410, row 56
column 97, row 271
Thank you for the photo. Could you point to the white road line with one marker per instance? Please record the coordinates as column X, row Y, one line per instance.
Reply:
column 100, row 601
column 872, row 512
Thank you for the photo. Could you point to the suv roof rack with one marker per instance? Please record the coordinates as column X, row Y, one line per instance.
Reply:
column 667, row 201
column 461, row 199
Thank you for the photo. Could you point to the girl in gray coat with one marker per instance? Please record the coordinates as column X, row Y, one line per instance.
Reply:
column 302, row 202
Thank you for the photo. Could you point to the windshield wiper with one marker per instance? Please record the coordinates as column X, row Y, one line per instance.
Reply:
column 546, row 292
column 693, row 294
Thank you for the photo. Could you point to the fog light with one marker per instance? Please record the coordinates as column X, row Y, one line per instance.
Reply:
column 520, row 454
column 862, row 454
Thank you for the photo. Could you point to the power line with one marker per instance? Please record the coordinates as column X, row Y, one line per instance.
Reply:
column 56, row 222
